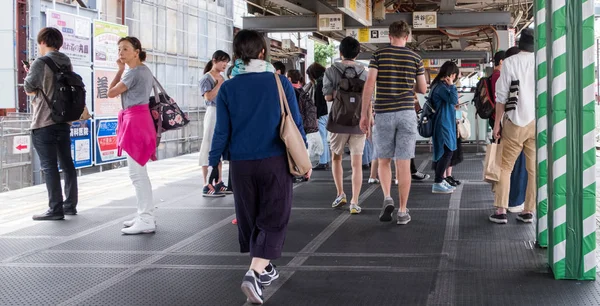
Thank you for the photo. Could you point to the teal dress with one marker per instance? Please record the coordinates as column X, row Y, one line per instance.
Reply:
column 445, row 98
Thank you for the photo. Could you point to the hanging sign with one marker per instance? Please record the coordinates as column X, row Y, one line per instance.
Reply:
column 360, row 10
column 425, row 20
column 330, row 22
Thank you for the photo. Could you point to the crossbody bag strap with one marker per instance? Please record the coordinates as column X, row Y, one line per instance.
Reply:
column 282, row 99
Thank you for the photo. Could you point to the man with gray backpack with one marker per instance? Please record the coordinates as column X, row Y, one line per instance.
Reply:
column 59, row 98
column 343, row 84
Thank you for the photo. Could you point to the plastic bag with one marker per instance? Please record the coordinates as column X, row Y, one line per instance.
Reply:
column 315, row 145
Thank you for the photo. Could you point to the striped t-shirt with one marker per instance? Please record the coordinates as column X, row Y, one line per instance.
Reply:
column 398, row 68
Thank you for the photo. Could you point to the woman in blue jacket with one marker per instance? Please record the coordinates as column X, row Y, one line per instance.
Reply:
column 445, row 98
column 248, row 120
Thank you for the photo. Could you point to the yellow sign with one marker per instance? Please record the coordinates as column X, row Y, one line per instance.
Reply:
column 364, row 35
column 353, row 5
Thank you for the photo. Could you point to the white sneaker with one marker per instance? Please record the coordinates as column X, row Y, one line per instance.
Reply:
column 140, row 226
column 516, row 209
column 373, row 181
column 129, row 223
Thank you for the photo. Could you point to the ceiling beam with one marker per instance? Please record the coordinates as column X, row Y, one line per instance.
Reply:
column 309, row 23
column 448, row 5
column 292, row 6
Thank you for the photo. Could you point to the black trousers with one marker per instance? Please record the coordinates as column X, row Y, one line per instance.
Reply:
column 442, row 164
column 263, row 204
column 53, row 146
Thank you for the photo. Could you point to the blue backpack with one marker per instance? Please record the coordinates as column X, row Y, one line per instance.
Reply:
column 427, row 116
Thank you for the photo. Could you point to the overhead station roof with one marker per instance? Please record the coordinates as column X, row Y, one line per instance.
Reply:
column 465, row 28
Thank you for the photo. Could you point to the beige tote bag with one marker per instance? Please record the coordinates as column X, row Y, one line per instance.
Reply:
column 298, row 159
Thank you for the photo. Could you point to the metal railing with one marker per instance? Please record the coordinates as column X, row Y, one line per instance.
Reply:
column 15, row 152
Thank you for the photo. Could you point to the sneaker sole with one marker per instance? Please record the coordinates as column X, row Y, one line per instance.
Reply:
column 498, row 221
column 213, row 195
column 338, row 205
column 442, row 192
column 355, row 211
column 251, row 294
column 403, row 222
column 525, row 220
column 49, row 218
column 386, row 215
column 140, row 233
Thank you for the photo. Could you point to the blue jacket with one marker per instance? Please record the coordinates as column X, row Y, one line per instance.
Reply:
column 445, row 98
column 249, row 116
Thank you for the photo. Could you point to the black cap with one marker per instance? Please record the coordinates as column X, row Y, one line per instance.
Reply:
column 526, row 42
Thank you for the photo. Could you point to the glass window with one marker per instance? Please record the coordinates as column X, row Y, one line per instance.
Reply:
column 171, row 31
column 192, row 36
column 146, row 21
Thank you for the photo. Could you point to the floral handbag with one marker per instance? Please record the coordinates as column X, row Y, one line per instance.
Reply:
column 165, row 112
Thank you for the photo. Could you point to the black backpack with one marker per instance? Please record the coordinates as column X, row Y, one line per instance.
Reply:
column 483, row 99
column 347, row 105
column 427, row 116
column 68, row 99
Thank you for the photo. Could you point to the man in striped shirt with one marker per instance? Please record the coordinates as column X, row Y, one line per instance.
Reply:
column 394, row 69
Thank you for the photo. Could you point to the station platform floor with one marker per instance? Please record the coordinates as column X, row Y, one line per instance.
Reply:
column 450, row 254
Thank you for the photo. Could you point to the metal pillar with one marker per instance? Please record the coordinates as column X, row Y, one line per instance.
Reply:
column 21, row 52
column 570, row 151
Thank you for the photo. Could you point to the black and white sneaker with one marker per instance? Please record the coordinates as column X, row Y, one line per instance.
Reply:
column 269, row 275
column 419, row 176
column 252, row 288
column 499, row 218
column 526, row 218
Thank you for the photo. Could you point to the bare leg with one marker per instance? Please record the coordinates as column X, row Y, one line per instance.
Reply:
column 385, row 175
column 404, row 182
column 357, row 177
column 338, row 173
column 259, row 264
column 374, row 168
column 205, row 174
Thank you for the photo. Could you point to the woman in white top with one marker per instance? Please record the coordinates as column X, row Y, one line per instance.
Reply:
column 209, row 88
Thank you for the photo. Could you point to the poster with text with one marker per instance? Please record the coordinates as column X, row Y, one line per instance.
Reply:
column 103, row 105
column 106, row 141
column 81, row 143
column 77, row 36
column 106, row 39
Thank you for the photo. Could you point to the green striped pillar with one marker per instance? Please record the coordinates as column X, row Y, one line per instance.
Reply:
column 588, row 159
column 558, row 149
column 566, row 148
column 542, row 123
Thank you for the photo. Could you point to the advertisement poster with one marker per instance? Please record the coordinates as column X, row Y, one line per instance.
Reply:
column 81, row 143
column 106, row 141
column 103, row 105
column 76, row 31
column 106, row 39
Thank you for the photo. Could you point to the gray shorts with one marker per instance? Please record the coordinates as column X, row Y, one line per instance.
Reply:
column 396, row 135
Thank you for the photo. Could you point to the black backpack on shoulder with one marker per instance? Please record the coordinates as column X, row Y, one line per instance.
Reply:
column 484, row 100
column 347, row 104
column 68, row 99
column 426, row 122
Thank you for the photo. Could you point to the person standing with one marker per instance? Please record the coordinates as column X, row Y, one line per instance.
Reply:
column 51, row 140
column 343, row 134
column 136, row 133
column 394, row 70
column 315, row 73
column 445, row 97
column 248, row 121
column 516, row 112
column 210, row 84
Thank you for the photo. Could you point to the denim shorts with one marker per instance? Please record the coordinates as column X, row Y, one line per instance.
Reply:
column 396, row 135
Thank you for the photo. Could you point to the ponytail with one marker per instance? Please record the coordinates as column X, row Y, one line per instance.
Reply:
column 208, row 67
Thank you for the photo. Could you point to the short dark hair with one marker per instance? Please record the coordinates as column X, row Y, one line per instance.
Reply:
column 350, row 48
column 512, row 51
column 499, row 56
column 315, row 71
column 279, row 66
column 248, row 44
column 399, row 29
column 52, row 37
column 295, row 76
column 137, row 45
